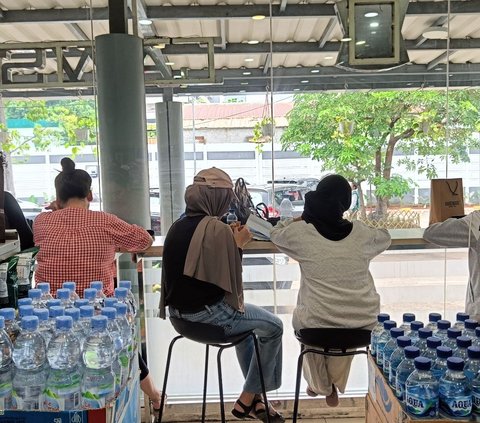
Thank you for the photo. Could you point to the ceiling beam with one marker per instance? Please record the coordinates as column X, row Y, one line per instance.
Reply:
column 327, row 32
column 222, row 23
column 77, row 31
column 283, row 6
column 439, row 22
column 439, row 59
column 267, row 64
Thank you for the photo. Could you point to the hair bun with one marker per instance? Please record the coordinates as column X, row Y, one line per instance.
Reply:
column 68, row 165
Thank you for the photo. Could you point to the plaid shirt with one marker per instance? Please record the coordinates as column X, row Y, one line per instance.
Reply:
column 79, row 245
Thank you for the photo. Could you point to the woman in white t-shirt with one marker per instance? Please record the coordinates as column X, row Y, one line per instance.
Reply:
column 336, row 287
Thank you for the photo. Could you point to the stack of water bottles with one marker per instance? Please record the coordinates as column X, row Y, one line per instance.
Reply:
column 434, row 368
column 66, row 353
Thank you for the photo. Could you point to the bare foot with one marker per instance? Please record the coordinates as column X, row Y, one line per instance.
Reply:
column 310, row 392
column 332, row 399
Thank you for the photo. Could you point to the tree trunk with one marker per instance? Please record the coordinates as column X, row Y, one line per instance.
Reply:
column 8, row 171
column 382, row 207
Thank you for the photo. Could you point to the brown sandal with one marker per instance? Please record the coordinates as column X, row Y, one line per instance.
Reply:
column 262, row 413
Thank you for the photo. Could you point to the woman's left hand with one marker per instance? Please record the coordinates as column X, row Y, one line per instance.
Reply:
column 242, row 236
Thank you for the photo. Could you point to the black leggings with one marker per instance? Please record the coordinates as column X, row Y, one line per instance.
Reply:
column 143, row 367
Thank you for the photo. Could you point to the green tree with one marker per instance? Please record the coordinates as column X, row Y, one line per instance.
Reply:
column 356, row 134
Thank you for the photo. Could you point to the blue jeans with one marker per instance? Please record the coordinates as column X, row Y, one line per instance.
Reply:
column 267, row 327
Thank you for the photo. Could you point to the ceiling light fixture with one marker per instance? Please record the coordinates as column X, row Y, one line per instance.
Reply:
column 160, row 45
column 371, row 14
column 436, row 33
column 360, row 43
column 328, row 57
column 243, row 83
column 258, row 17
column 305, row 81
column 315, row 71
column 345, row 39
column 253, row 42
column 296, row 89
column 246, row 73
column 169, row 63
column 249, row 59
column 145, row 21
column 374, row 25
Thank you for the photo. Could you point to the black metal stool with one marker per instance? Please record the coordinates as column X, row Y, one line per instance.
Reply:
column 331, row 342
column 211, row 336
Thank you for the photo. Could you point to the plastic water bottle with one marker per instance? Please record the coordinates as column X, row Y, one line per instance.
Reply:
column 376, row 332
column 63, row 384
column 126, row 354
column 43, row 324
column 54, row 312
column 90, row 294
column 130, row 297
column 452, row 335
column 11, row 325
column 470, row 326
column 433, row 318
column 407, row 319
column 396, row 358
column 440, row 366
column 29, row 356
column 382, row 340
column 455, row 391
column 36, row 296
column 121, row 295
column 443, row 326
column 286, row 209
column 77, row 326
column 46, row 295
column 53, row 303
column 463, row 342
column 114, row 332
column 110, row 302
column 24, row 301
column 423, row 335
column 81, row 302
column 404, row 369
column 99, row 302
column 421, row 390
column 476, row 340
column 460, row 323
column 23, row 311
column 6, row 367
column 414, row 327
column 63, row 295
column 389, row 348
column 431, row 351
column 98, row 384
column 231, row 217
column 72, row 286
column 86, row 314
column 472, row 364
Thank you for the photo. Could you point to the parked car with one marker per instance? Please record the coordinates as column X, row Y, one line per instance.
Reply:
column 310, row 183
column 29, row 209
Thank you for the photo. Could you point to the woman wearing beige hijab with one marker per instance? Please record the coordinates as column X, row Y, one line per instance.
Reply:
column 202, row 274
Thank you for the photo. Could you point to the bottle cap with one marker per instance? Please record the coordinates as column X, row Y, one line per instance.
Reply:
column 389, row 324
column 41, row 313
column 121, row 293
column 69, row 285
column 98, row 285
column 461, row 317
column 412, row 352
column 63, row 294
column 471, row 324
column 408, row 317
column 394, row 332
column 122, row 309
column 34, row 294
column 53, row 302
column 444, row 352
column 422, row 363
column 455, row 363
column 25, row 310
column 404, row 341
column 63, row 322
column 99, row 322
column 433, row 342
column 24, row 301
column 73, row 312
column 381, row 317
column 110, row 301
column 415, row 325
column 110, row 312
column 424, row 333
column 56, row 311
column 464, row 342
column 434, row 317
column 87, row 311
column 453, row 333
column 2, row 322
column 128, row 285
column 8, row 313
column 81, row 302
column 90, row 294
column 443, row 324
column 29, row 323
column 44, row 287
column 473, row 352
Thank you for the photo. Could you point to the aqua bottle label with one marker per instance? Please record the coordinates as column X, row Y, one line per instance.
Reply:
column 457, row 407
column 62, row 399
column 421, row 407
column 399, row 389
column 476, row 400
column 98, row 397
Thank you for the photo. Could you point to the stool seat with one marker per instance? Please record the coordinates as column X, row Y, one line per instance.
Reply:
column 335, row 339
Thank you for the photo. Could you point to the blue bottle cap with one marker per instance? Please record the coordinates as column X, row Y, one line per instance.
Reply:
column 422, row 363
column 461, row 317
column 81, row 302
column 71, row 286
column 444, row 352
column 443, row 324
column 99, row 322
column 53, row 303
column 434, row 317
column 24, row 301
column 424, row 333
column 389, row 324
column 412, row 352
column 73, row 312
column 404, row 341
column 34, row 294
column 87, row 311
column 63, row 294
column 471, row 324
column 473, row 352
column 433, row 342
column 98, row 285
column 90, row 294
column 394, row 332
column 56, row 311
column 2, row 322
column 128, row 285
column 110, row 312
column 122, row 310
column 455, row 363
column 29, row 323
column 464, row 342
column 408, row 317
column 109, row 302
column 44, row 287
column 8, row 313
column 121, row 293
column 453, row 333
column 382, row 317
column 41, row 313
column 415, row 325
column 63, row 322
column 25, row 310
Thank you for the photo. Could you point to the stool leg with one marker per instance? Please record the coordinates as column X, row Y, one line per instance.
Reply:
column 220, row 384
column 297, row 384
column 260, row 373
column 165, row 379
column 205, row 381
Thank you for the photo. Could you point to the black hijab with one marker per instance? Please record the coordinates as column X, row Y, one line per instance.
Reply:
column 325, row 206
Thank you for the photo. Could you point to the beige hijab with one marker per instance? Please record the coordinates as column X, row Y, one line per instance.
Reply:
column 212, row 255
